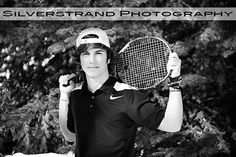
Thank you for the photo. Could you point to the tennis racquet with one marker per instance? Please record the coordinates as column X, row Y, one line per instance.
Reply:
column 142, row 62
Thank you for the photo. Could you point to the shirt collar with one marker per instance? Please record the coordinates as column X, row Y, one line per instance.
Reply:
column 106, row 87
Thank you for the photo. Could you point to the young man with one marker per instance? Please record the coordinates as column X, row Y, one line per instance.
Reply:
column 101, row 115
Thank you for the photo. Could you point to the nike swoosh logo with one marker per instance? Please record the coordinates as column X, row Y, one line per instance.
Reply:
column 116, row 97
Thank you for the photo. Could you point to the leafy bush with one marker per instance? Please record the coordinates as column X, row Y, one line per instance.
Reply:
column 35, row 127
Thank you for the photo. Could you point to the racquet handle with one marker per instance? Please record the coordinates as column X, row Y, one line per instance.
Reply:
column 68, row 82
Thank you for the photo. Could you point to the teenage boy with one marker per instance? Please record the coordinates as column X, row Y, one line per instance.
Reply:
column 101, row 114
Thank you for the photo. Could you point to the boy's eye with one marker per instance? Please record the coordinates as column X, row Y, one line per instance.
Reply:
column 84, row 53
column 99, row 52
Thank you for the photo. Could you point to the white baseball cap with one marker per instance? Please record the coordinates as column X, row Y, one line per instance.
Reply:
column 93, row 35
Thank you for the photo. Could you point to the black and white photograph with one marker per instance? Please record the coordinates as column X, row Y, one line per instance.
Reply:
column 138, row 78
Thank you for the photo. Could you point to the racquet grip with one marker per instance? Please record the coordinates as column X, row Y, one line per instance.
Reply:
column 68, row 82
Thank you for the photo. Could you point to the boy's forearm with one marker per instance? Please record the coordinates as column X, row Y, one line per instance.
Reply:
column 63, row 111
column 173, row 118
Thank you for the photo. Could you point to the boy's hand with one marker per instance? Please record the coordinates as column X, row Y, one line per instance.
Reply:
column 66, row 83
column 174, row 64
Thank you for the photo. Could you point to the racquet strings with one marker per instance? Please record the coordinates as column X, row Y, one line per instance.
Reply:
column 143, row 63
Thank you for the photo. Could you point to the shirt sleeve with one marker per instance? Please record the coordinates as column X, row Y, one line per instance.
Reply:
column 70, row 118
column 143, row 111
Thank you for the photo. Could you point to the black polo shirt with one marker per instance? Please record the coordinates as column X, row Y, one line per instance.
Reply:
column 105, row 121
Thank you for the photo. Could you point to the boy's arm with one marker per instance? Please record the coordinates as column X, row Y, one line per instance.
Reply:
column 64, row 106
column 63, row 119
column 173, row 117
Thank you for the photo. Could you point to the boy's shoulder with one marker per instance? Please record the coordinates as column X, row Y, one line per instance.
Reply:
column 119, row 86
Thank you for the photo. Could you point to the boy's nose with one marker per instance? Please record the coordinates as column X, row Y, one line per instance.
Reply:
column 91, row 58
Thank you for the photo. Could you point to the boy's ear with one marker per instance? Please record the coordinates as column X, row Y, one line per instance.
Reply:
column 108, row 61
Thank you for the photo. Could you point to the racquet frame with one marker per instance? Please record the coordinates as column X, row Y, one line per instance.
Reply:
column 142, row 70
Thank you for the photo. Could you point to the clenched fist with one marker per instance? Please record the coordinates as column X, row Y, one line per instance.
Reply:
column 174, row 65
column 66, row 83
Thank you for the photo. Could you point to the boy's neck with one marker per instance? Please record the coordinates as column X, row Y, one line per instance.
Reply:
column 97, row 82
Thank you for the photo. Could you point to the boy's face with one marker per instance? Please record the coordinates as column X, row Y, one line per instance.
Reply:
column 94, row 62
